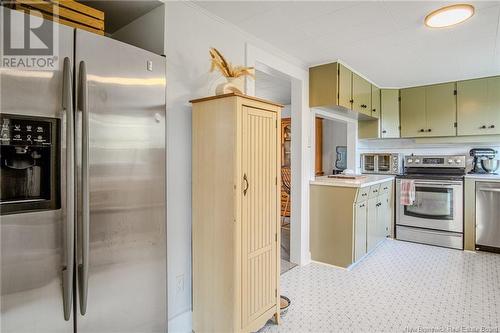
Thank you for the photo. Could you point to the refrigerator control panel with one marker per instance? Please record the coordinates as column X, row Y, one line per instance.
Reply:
column 26, row 131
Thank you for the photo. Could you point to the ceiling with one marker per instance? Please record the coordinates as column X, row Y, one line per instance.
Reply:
column 385, row 41
column 273, row 88
column 119, row 13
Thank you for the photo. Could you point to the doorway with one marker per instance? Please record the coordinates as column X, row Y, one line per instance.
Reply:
column 278, row 88
column 334, row 156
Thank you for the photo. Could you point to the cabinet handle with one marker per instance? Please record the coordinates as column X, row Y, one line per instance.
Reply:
column 483, row 127
column 492, row 126
column 375, row 191
column 429, row 130
column 384, row 131
column 351, row 101
column 246, row 184
column 374, row 110
column 363, row 106
column 385, row 188
column 361, row 206
column 422, row 130
column 378, row 204
column 363, row 194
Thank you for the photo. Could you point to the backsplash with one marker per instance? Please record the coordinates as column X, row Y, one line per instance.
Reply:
column 409, row 146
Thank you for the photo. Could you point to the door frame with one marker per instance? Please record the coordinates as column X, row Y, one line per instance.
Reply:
column 301, row 144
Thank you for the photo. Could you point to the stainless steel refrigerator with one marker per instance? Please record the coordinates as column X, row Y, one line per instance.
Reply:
column 83, row 232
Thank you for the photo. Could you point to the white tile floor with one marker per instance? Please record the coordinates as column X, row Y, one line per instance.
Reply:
column 399, row 287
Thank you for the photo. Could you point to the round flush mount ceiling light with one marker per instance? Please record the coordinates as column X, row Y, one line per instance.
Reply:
column 449, row 15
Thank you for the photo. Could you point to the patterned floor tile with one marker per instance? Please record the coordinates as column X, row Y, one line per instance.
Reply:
column 399, row 287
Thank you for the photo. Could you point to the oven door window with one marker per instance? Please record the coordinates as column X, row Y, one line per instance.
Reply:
column 431, row 203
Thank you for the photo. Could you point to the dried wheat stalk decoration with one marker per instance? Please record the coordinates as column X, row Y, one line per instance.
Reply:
column 225, row 68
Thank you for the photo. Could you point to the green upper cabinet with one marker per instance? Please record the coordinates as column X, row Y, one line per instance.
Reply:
column 441, row 109
column 345, row 86
column 323, row 87
column 361, row 95
column 478, row 106
column 330, row 85
column 428, row 111
column 413, row 119
column 389, row 118
column 375, row 101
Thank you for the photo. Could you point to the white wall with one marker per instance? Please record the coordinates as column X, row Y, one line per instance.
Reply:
column 334, row 134
column 190, row 33
column 286, row 112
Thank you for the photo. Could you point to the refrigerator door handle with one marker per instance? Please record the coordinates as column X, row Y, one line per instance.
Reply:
column 83, row 266
column 67, row 271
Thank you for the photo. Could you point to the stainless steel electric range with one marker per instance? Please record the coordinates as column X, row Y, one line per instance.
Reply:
column 436, row 216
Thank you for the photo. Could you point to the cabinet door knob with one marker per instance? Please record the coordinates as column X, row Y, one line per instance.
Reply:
column 483, row 127
column 351, row 101
column 384, row 131
column 429, row 130
column 374, row 110
column 422, row 130
column 492, row 126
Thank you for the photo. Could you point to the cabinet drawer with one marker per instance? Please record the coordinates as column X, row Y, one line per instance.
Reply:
column 363, row 194
column 385, row 187
column 374, row 191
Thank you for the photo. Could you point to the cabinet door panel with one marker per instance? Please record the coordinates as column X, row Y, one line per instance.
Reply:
column 360, row 231
column 375, row 102
column 413, row 118
column 383, row 217
column 478, row 106
column 259, row 212
column 345, row 87
column 389, row 107
column 371, row 224
column 361, row 95
column 441, row 109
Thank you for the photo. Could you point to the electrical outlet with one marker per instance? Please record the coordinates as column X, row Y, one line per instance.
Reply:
column 180, row 283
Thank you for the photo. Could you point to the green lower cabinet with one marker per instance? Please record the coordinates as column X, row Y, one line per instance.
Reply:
column 371, row 224
column 478, row 106
column 360, row 231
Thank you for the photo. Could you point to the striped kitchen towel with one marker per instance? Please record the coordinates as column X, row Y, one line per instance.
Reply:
column 407, row 194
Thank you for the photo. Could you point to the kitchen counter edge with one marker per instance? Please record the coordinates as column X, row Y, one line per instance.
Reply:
column 359, row 183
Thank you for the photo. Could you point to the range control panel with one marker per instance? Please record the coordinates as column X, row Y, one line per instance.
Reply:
column 26, row 131
column 435, row 161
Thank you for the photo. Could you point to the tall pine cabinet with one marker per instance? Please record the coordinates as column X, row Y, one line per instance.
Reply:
column 236, row 213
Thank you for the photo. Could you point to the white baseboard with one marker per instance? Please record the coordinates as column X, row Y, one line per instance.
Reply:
column 182, row 323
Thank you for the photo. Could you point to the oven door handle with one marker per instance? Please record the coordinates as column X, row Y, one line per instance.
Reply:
column 437, row 184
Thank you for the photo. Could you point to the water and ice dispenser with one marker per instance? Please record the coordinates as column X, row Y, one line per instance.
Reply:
column 30, row 163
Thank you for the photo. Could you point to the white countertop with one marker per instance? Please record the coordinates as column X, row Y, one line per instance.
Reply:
column 369, row 180
column 483, row 177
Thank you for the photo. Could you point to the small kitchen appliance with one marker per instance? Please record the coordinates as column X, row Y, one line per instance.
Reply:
column 382, row 163
column 436, row 215
column 484, row 160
